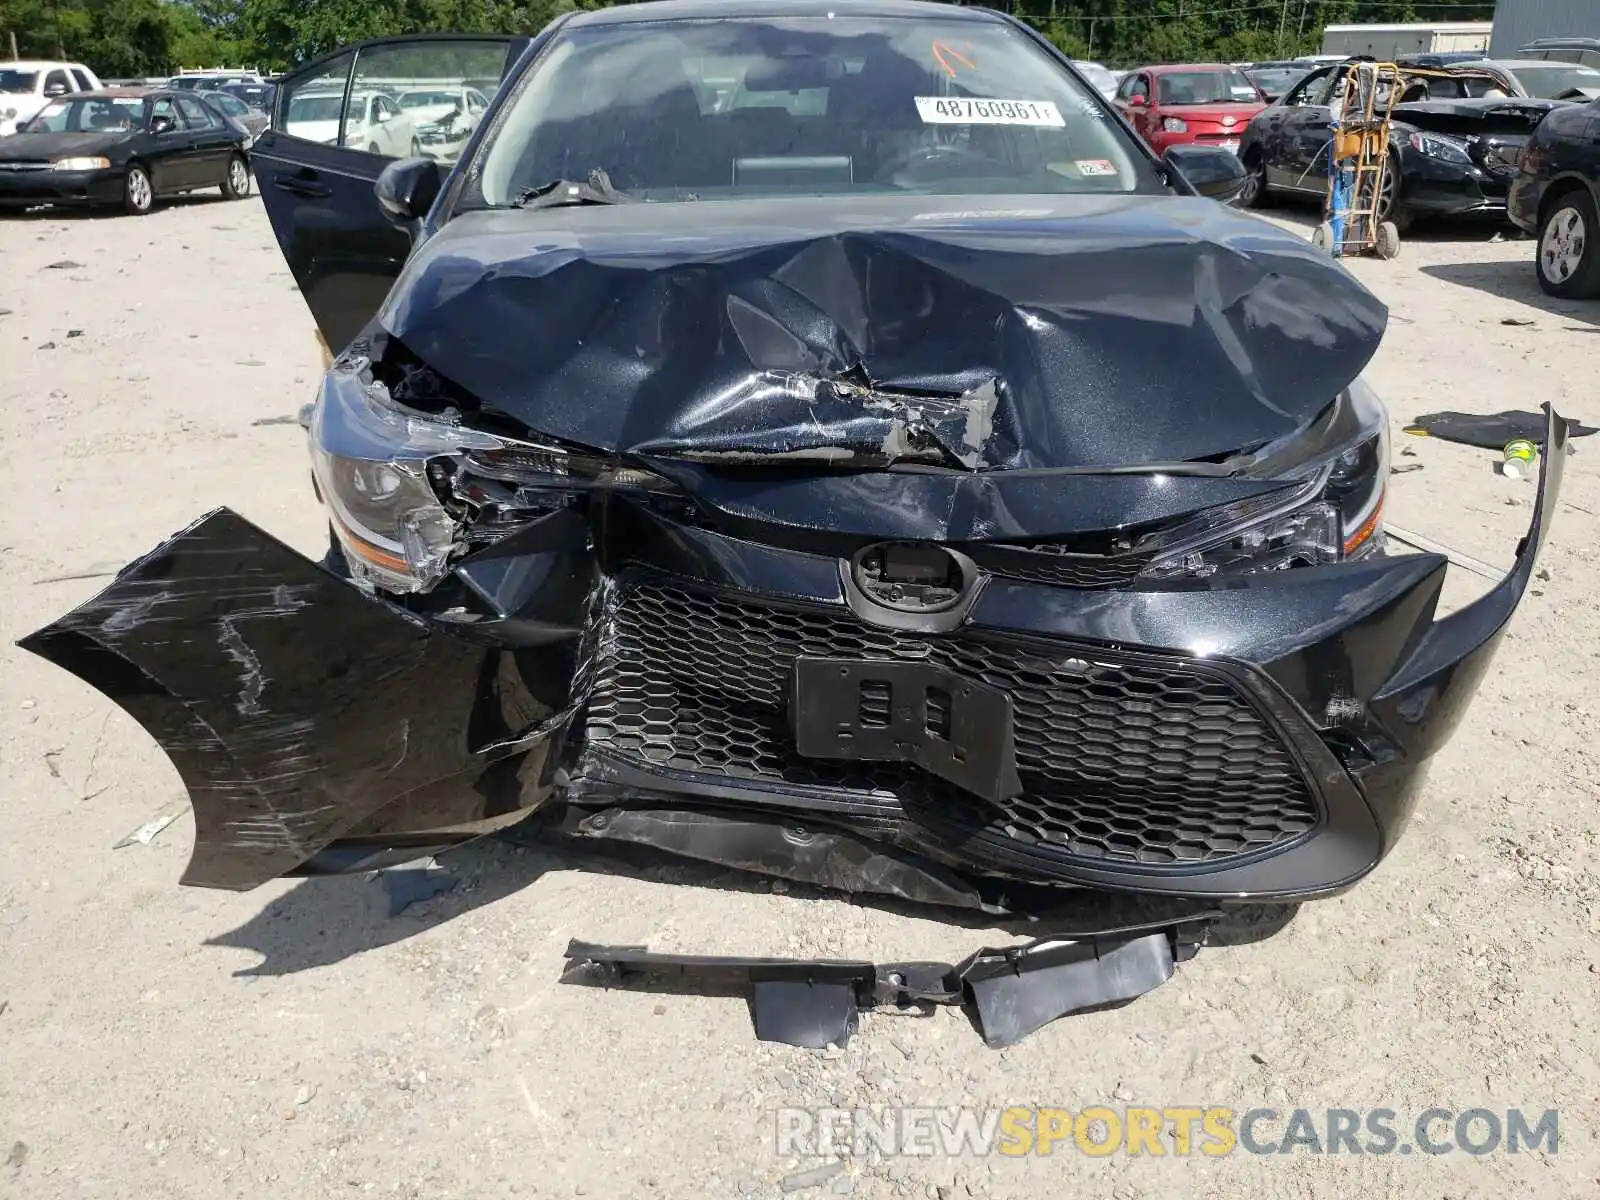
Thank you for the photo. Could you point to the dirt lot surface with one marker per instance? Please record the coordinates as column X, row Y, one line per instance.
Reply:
column 299, row 1041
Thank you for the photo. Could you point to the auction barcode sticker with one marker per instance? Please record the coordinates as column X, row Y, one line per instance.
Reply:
column 966, row 110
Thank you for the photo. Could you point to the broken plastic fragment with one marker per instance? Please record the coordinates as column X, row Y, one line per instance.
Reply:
column 147, row 832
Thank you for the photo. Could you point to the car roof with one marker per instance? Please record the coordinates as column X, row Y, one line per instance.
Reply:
column 39, row 64
column 1212, row 66
column 1516, row 64
column 693, row 10
column 111, row 93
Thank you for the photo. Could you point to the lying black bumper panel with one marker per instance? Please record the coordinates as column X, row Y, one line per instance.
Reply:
column 294, row 707
column 1010, row 992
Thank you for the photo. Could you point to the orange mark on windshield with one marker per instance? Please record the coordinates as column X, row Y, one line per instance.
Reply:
column 944, row 53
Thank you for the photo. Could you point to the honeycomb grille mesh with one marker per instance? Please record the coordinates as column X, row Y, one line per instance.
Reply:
column 1121, row 762
column 1046, row 563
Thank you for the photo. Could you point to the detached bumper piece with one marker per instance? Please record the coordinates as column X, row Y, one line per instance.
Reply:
column 1009, row 992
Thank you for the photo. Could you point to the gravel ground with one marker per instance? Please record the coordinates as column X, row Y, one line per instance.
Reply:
column 299, row 1041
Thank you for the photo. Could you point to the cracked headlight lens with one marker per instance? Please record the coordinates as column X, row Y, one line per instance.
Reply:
column 1333, row 512
column 409, row 492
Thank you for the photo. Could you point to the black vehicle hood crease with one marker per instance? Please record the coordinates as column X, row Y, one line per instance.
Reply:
column 1032, row 332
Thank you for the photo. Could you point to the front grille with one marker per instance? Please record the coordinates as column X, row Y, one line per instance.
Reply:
column 1124, row 761
column 1047, row 563
column 26, row 164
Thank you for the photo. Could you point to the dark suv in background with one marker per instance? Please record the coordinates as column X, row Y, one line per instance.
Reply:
column 1577, row 50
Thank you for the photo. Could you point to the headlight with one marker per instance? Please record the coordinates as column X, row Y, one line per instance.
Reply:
column 1333, row 511
column 1174, row 124
column 409, row 493
column 80, row 164
column 1443, row 148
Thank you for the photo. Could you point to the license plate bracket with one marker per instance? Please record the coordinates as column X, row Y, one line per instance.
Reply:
column 877, row 711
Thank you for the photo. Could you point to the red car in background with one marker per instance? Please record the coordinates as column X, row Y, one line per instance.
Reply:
column 1207, row 103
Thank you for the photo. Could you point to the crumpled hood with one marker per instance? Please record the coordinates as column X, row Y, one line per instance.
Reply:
column 1018, row 332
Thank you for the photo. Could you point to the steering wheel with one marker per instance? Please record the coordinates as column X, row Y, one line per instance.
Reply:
column 933, row 161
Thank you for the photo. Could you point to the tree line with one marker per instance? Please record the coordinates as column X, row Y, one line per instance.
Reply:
column 137, row 38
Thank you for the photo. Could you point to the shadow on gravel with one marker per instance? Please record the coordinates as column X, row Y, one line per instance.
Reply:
column 326, row 920
column 1516, row 281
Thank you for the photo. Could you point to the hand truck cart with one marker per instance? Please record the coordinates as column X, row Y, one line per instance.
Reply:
column 1359, row 187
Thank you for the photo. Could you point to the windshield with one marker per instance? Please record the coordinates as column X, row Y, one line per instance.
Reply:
column 18, row 81
column 428, row 99
column 231, row 105
column 1213, row 85
column 1552, row 81
column 1276, row 80
column 804, row 106
column 87, row 116
column 256, row 95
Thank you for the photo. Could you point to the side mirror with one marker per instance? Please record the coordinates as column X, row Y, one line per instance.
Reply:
column 53, row 90
column 1137, row 101
column 407, row 189
column 1209, row 170
column 161, row 125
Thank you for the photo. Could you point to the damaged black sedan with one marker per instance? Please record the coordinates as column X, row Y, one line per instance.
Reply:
column 821, row 440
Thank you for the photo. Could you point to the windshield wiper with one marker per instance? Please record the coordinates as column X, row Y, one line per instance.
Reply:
column 558, row 193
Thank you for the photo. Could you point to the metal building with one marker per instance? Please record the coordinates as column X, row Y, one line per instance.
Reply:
column 1397, row 41
column 1518, row 22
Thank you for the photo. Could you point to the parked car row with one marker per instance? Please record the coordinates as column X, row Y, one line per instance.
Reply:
column 1515, row 138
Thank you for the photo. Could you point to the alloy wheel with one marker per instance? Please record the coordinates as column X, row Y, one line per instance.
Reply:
column 139, row 189
column 239, row 177
column 1561, row 248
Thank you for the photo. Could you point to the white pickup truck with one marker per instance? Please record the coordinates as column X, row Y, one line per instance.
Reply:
column 27, row 86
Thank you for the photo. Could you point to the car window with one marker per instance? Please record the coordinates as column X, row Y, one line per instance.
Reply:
column 818, row 105
column 1446, row 88
column 1312, row 90
column 196, row 114
column 82, row 80
column 1139, row 85
column 1275, row 80
column 231, row 105
column 55, row 80
column 312, row 108
column 1553, row 80
column 404, row 71
column 1215, row 86
column 86, row 116
column 12, row 80
column 410, row 100
column 164, row 107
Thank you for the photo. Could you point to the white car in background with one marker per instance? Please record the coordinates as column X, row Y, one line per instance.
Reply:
column 27, row 86
column 1104, row 81
column 444, row 117
column 377, row 124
